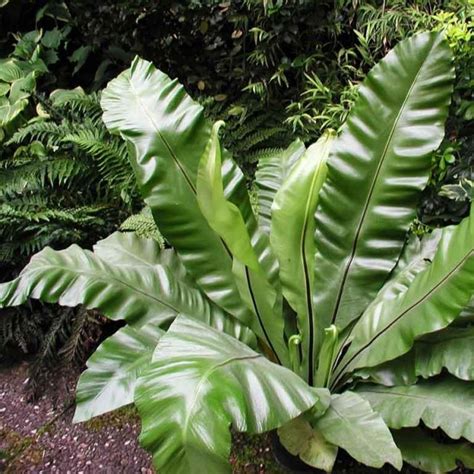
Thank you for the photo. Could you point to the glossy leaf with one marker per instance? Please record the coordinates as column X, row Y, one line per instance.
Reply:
column 400, row 371
column 302, row 440
column 135, row 293
column 223, row 216
column 112, row 371
column 377, row 168
column 272, row 171
column 416, row 256
column 226, row 220
column 126, row 249
column 351, row 424
column 440, row 403
column 168, row 134
column 423, row 452
column 451, row 349
column 434, row 299
column 199, row 383
column 467, row 314
column 292, row 239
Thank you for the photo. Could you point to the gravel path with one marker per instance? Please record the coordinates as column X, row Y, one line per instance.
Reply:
column 38, row 437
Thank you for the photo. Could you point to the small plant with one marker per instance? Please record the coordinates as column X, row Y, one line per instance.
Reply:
column 316, row 316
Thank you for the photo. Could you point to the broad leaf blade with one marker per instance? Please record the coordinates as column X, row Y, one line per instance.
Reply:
column 292, row 239
column 199, row 382
column 137, row 294
column 423, row 452
column 126, row 249
column 434, row 299
column 112, row 371
column 226, row 220
column 450, row 349
column 445, row 404
column 272, row 171
column 351, row 424
column 168, row 134
column 377, row 168
column 301, row 439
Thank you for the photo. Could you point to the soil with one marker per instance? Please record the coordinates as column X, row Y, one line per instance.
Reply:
column 39, row 437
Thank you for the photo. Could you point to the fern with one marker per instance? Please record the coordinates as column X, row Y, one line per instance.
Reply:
column 143, row 225
column 47, row 132
column 110, row 155
column 63, row 178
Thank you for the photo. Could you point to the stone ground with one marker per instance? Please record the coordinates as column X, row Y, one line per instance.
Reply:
column 38, row 436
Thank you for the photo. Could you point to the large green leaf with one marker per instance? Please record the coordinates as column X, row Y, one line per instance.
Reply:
column 400, row 371
column 272, row 171
column 440, row 403
column 137, row 294
column 222, row 215
column 112, row 371
column 467, row 314
column 199, row 382
column 168, row 134
column 227, row 221
column 433, row 300
column 351, row 424
column 416, row 256
column 301, row 439
column 451, row 349
column 292, row 239
column 376, row 170
column 128, row 249
column 423, row 452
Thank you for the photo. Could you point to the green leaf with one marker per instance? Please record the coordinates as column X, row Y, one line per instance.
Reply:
column 400, row 371
column 223, row 216
column 301, row 439
column 416, row 256
column 112, row 371
column 168, row 134
column 227, row 221
column 4, row 88
column 451, row 348
column 351, row 424
column 376, row 170
column 126, row 249
column 201, row 381
column 137, row 294
column 440, row 403
column 433, row 300
column 423, row 452
column 272, row 171
column 292, row 240
column 467, row 314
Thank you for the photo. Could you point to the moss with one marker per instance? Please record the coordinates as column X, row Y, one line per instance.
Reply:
column 116, row 418
column 253, row 454
column 18, row 446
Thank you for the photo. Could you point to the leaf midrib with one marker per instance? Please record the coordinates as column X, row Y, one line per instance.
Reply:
column 306, row 275
column 204, row 378
column 371, row 191
column 445, row 402
column 107, row 279
column 418, row 301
